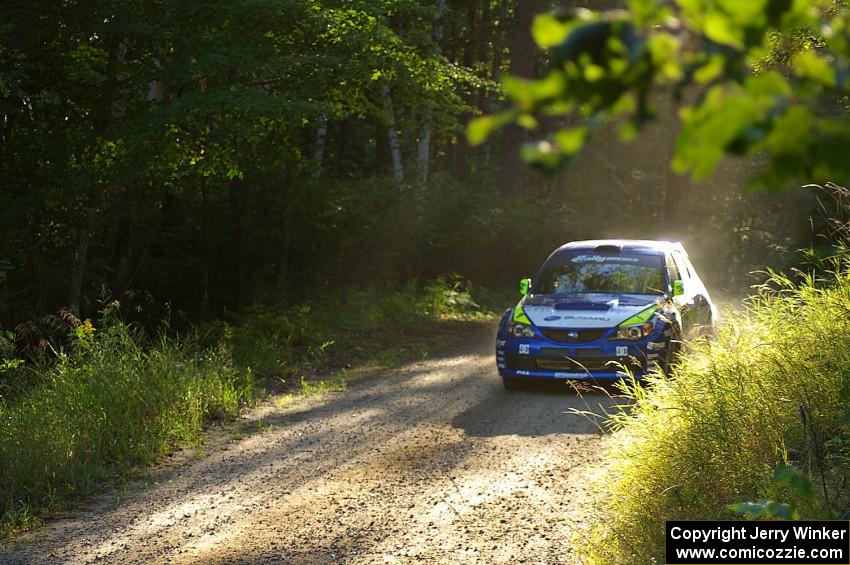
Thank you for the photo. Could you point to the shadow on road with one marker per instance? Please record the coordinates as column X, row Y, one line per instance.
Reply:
column 539, row 410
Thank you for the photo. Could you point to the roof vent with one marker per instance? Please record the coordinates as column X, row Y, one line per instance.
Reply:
column 608, row 248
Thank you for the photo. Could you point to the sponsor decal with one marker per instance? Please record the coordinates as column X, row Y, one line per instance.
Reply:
column 500, row 342
column 655, row 345
column 552, row 318
column 622, row 350
column 604, row 259
column 570, row 375
column 524, row 349
column 523, row 373
column 587, row 318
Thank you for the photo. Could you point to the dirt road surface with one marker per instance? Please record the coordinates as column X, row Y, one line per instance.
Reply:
column 431, row 462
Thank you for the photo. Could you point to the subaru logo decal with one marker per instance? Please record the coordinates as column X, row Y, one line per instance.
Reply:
column 572, row 335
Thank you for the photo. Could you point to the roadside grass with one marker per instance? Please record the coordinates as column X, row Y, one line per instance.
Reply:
column 772, row 392
column 113, row 405
column 122, row 401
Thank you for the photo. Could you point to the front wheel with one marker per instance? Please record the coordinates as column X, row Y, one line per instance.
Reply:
column 511, row 383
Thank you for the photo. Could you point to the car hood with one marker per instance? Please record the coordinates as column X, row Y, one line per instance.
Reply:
column 584, row 311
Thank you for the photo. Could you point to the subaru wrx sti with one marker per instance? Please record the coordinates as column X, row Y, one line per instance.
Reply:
column 601, row 310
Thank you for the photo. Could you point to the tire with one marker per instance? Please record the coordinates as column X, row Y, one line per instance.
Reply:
column 512, row 383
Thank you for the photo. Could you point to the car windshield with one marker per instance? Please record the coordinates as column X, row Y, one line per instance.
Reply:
column 600, row 273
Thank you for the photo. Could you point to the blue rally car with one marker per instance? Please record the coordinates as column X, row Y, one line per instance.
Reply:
column 597, row 309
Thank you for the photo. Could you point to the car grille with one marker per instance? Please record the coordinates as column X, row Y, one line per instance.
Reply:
column 578, row 336
column 577, row 353
column 589, row 364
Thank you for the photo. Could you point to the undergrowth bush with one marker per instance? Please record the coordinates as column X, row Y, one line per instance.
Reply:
column 279, row 342
column 112, row 405
column 772, row 393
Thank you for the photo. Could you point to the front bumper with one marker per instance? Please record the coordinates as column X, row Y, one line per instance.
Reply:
column 602, row 359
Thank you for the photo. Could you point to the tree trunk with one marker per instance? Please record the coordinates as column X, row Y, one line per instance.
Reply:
column 78, row 270
column 482, row 50
column 205, row 281
column 523, row 55
column 423, row 156
column 123, row 253
column 342, row 142
column 392, row 134
column 319, row 149
column 423, row 150
column 498, row 35
column 287, row 199
column 236, row 194
column 382, row 147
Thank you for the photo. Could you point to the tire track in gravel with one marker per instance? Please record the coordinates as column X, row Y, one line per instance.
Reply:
column 430, row 462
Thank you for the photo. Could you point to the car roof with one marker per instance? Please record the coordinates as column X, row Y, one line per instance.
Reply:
column 635, row 245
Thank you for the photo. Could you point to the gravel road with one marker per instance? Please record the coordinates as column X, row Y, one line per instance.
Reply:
column 429, row 462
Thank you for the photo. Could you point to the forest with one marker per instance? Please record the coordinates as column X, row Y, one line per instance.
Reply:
column 209, row 208
column 178, row 154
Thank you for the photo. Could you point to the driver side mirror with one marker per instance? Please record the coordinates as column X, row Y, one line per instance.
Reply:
column 524, row 285
column 678, row 288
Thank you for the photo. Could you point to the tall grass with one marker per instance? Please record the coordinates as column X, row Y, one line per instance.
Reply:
column 119, row 401
column 112, row 405
column 773, row 391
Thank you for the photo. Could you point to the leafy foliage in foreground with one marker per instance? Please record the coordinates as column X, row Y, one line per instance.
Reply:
column 113, row 405
column 772, row 394
column 750, row 78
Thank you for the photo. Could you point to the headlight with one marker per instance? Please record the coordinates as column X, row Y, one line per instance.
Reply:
column 521, row 330
column 637, row 331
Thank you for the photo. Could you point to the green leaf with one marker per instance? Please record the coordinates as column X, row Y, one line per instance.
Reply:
column 712, row 69
column 791, row 130
column 796, row 480
column 664, row 49
column 808, row 64
column 710, row 128
column 593, row 73
column 527, row 121
column 571, row 140
column 479, row 129
column 770, row 83
column 743, row 12
column 543, row 155
column 721, row 29
column 764, row 509
column 528, row 94
column 548, row 31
